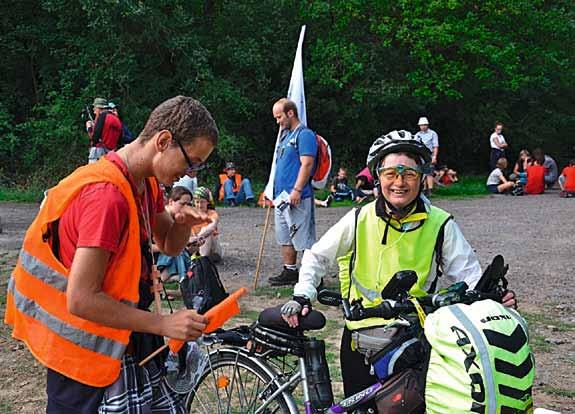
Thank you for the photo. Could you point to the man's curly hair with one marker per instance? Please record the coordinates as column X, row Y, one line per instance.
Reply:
column 185, row 117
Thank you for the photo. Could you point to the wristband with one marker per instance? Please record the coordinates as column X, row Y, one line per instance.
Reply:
column 297, row 189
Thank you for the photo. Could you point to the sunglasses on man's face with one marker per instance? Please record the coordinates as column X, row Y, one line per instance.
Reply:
column 192, row 166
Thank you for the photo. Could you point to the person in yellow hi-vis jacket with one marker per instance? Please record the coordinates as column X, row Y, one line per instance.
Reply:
column 400, row 230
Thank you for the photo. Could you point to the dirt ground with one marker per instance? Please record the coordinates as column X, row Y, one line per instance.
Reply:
column 535, row 235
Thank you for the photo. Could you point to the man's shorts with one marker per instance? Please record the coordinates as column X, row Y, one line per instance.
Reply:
column 295, row 225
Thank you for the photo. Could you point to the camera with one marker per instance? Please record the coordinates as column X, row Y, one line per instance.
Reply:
column 87, row 114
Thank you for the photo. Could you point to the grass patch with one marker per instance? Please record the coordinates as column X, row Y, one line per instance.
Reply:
column 20, row 195
column 274, row 292
column 469, row 186
column 560, row 392
column 6, row 407
column 539, row 344
column 545, row 320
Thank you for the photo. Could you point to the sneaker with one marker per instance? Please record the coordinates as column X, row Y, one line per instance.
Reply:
column 328, row 200
column 286, row 277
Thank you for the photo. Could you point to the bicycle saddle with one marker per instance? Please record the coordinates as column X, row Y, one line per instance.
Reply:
column 272, row 318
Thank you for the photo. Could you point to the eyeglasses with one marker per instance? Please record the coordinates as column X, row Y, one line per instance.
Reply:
column 192, row 166
column 407, row 173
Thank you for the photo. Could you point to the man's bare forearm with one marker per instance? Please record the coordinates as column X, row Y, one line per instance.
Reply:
column 304, row 173
column 176, row 238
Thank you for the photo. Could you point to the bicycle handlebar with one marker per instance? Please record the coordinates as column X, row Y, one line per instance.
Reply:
column 389, row 309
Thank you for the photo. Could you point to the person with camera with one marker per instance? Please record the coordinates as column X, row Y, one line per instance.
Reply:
column 80, row 292
column 398, row 231
column 105, row 130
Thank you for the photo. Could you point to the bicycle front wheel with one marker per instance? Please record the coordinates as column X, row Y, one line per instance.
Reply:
column 235, row 384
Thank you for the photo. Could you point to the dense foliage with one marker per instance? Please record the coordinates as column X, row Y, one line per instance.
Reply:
column 370, row 66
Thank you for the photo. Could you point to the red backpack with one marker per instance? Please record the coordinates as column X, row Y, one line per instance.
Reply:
column 322, row 163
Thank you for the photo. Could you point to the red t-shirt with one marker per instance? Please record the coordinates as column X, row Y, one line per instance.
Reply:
column 99, row 215
column 569, row 174
column 535, row 179
column 111, row 132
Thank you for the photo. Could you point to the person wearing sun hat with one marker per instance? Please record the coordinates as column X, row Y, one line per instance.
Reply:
column 233, row 188
column 429, row 137
column 105, row 130
column 206, row 236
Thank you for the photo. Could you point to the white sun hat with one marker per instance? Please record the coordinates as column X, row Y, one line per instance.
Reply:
column 423, row 121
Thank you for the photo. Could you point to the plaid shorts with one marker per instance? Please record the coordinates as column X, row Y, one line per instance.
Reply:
column 141, row 390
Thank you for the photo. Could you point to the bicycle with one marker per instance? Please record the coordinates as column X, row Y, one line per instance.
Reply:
column 249, row 372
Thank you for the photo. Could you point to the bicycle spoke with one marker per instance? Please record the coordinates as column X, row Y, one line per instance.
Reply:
column 233, row 384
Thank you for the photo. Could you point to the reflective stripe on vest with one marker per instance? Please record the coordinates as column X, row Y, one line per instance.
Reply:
column 101, row 345
column 375, row 264
column 36, row 304
column 50, row 276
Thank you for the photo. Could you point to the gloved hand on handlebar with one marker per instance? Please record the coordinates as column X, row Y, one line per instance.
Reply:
column 299, row 305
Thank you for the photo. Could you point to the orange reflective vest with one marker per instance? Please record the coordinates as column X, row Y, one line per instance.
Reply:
column 36, row 301
column 223, row 178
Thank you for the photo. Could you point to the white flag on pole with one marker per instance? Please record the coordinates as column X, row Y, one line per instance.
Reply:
column 297, row 94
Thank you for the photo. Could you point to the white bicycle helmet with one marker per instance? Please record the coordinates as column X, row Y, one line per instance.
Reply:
column 393, row 142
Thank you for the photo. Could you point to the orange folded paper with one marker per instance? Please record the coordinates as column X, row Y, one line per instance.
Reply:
column 217, row 316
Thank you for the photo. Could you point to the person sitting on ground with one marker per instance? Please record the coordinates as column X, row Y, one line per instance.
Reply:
column 233, row 190
column 445, row 176
column 522, row 163
column 339, row 189
column 535, row 177
column 174, row 268
column 207, row 235
column 496, row 182
column 567, row 180
column 364, row 186
column 551, row 169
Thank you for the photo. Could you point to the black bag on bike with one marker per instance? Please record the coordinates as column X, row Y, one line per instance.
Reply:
column 402, row 394
column 202, row 287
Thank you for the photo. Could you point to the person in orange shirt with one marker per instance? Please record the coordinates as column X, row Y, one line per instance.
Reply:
column 567, row 180
column 82, row 286
column 206, row 236
column 535, row 178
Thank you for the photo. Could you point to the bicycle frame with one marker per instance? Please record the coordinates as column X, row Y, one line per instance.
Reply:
column 300, row 376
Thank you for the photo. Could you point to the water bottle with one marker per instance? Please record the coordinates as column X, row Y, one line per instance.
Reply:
column 318, row 379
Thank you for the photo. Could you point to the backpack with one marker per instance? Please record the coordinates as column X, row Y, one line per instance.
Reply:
column 202, row 287
column 322, row 162
column 480, row 360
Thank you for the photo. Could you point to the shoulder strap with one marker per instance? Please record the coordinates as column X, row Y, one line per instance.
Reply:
column 98, row 128
column 439, row 255
column 299, row 131
column 352, row 259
